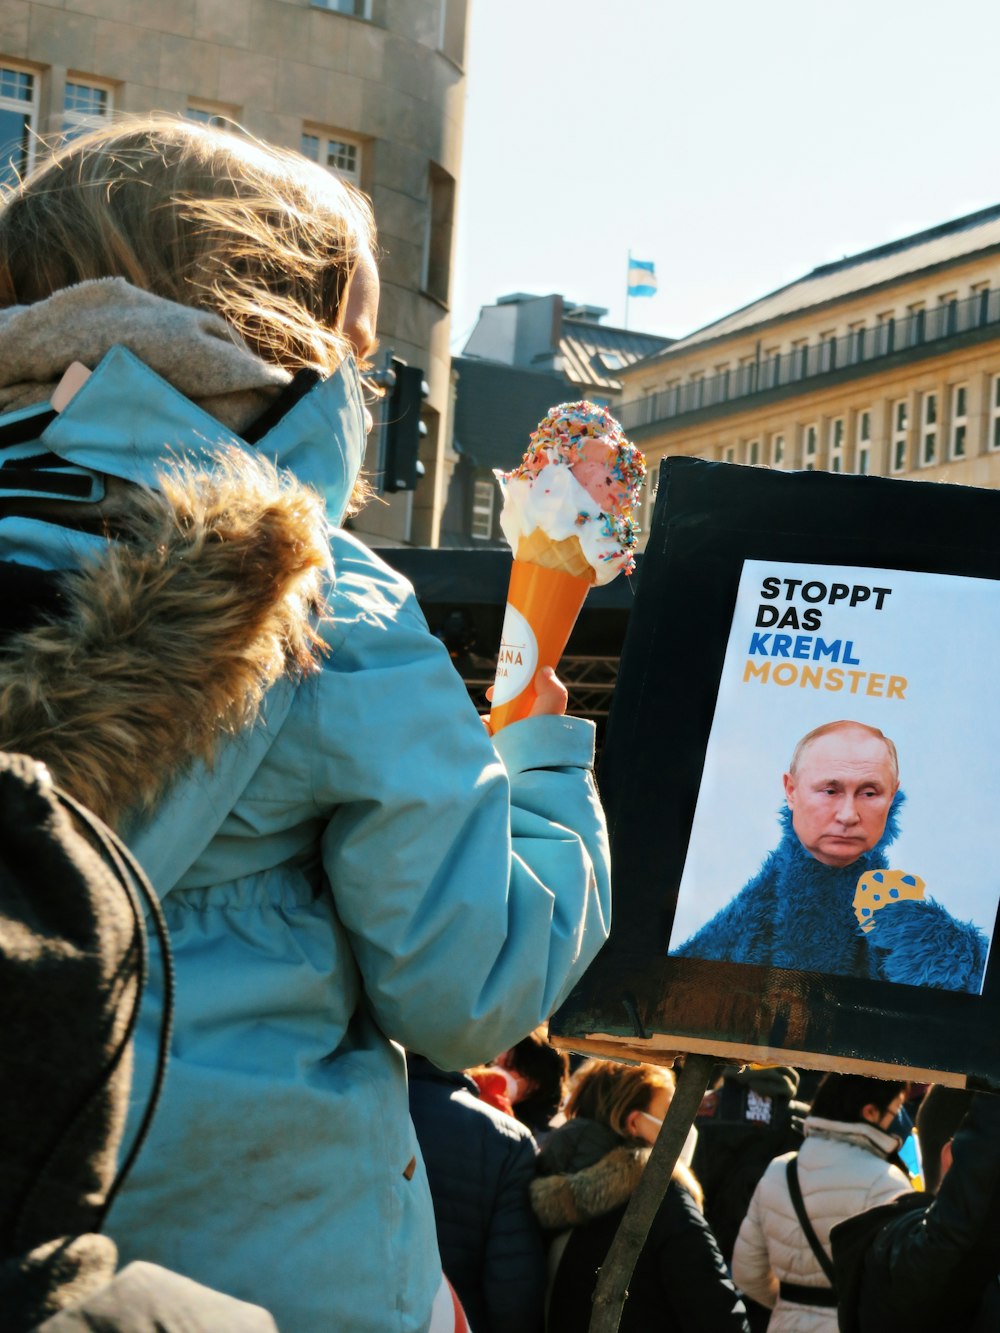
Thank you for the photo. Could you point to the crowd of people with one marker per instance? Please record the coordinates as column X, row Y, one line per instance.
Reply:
column 368, row 898
column 825, row 1225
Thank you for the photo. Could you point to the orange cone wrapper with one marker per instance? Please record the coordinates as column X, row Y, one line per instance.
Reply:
column 542, row 607
column 568, row 515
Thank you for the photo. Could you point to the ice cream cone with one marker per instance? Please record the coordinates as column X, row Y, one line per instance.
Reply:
column 538, row 548
column 542, row 606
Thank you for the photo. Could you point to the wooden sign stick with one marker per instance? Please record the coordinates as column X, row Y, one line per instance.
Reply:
column 619, row 1264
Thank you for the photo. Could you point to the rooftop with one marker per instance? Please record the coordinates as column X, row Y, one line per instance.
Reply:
column 934, row 247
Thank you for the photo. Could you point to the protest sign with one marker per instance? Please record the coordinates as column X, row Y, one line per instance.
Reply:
column 799, row 774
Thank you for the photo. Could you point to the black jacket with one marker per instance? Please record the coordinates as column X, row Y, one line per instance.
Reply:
column 480, row 1164
column 930, row 1269
column 680, row 1283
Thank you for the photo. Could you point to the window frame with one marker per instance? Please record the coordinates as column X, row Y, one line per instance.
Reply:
column 482, row 487
column 29, row 107
column 863, row 441
column 900, row 437
column 72, row 121
column 836, row 436
column 324, row 137
column 930, row 428
column 958, row 425
column 213, row 114
column 334, row 7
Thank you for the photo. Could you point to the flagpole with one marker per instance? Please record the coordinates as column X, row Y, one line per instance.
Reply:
column 628, row 270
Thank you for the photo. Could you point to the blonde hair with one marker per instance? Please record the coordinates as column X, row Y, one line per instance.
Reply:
column 608, row 1092
column 200, row 216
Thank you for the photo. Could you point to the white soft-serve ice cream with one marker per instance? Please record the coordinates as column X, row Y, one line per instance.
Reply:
column 570, row 503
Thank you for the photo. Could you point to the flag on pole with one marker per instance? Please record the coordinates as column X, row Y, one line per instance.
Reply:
column 641, row 277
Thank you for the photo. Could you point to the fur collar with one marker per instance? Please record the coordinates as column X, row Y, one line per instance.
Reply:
column 569, row 1200
column 172, row 638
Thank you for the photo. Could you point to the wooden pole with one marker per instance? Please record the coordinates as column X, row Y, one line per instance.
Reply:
column 619, row 1264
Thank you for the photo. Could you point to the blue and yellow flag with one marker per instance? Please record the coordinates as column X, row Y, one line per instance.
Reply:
column 641, row 277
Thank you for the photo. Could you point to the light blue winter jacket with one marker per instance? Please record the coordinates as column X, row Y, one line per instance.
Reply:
column 364, row 868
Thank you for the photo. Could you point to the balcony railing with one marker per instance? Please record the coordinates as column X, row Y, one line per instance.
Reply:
column 813, row 360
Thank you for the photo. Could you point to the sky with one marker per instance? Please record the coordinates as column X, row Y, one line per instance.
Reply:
column 736, row 146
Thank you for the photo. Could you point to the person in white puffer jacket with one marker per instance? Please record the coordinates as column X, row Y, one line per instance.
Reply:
column 844, row 1168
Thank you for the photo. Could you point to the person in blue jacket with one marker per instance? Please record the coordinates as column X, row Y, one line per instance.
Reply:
column 348, row 862
column 800, row 909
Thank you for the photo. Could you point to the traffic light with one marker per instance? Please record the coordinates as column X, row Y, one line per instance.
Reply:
column 403, row 429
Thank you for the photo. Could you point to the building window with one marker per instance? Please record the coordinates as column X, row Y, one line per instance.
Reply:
column 18, row 122
column 85, row 105
column 959, row 420
column 885, row 332
column 330, row 150
column 837, row 444
column 915, row 315
column 729, row 453
column 863, row 444
column 772, row 367
column 947, row 314
column 995, row 413
column 856, row 343
column 206, row 113
column 360, row 9
column 753, row 452
column 778, row 451
column 929, row 430
column 828, row 350
column 483, row 491
column 722, row 382
column 900, row 431
column 810, row 447
column 439, row 233
column 800, row 359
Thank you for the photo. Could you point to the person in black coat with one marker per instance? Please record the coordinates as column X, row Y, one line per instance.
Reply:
column 929, row 1263
column 480, row 1164
column 70, row 985
column 588, row 1170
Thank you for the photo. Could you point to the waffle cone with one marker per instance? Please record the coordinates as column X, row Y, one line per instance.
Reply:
column 543, row 603
column 538, row 548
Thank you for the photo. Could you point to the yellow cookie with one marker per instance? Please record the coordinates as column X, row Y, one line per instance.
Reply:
column 878, row 888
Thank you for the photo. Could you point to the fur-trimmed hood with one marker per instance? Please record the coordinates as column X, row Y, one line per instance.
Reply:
column 195, row 568
column 569, row 1200
column 171, row 639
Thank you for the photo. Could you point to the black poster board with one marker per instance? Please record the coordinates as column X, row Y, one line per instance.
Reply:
column 707, row 710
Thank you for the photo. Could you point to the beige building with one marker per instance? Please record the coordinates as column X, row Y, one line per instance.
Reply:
column 886, row 362
column 373, row 89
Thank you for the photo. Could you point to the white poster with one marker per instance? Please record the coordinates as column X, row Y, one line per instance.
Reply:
column 845, row 817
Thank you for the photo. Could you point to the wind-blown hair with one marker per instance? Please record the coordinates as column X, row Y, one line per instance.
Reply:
column 198, row 215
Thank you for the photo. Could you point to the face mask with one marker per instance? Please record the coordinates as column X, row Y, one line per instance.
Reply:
column 513, row 1087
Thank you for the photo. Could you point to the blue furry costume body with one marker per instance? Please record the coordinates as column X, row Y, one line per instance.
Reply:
column 798, row 913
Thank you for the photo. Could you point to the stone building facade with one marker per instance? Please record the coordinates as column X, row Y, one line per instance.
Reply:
column 371, row 88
